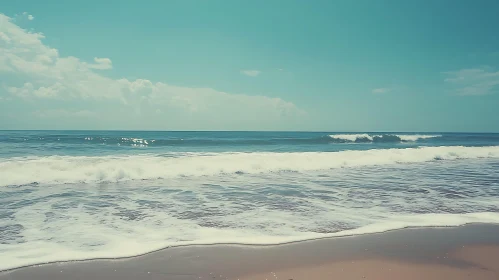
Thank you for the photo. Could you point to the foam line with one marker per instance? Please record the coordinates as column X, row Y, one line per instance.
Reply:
column 86, row 169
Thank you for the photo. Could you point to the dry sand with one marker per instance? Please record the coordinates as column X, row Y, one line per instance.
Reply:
column 466, row 252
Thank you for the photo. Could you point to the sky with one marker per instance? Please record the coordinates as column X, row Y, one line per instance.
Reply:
column 250, row 65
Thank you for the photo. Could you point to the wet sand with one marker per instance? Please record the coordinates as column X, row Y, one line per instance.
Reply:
column 466, row 252
column 479, row 262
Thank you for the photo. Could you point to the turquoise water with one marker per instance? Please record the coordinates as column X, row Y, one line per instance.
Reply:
column 67, row 195
column 88, row 143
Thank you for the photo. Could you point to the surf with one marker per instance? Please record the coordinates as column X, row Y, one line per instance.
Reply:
column 117, row 168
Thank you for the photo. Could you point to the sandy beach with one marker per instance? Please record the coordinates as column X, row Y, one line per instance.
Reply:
column 465, row 252
column 249, row 140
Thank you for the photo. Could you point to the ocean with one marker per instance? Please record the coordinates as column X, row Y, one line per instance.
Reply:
column 75, row 195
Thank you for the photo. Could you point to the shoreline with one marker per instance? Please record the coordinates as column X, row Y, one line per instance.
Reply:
column 412, row 245
column 249, row 245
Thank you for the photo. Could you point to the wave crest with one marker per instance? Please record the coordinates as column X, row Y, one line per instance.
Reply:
column 152, row 140
column 366, row 138
column 84, row 169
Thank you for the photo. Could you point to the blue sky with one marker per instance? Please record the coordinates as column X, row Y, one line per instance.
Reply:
column 250, row 65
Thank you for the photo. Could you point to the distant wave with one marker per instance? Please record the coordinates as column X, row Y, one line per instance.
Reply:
column 144, row 142
column 85, row 169
column 366, row 138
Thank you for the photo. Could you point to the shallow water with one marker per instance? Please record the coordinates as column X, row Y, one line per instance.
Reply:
column 87, row 194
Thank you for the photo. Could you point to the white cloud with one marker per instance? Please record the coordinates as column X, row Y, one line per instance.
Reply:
column 474, row 81
column 251, row 73
column 4, row 37
column 29, row 69
column 25, row 15
column 27, row 91
column 101, row 63
column 381, row 90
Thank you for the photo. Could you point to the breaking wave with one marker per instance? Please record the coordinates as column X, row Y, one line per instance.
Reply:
column 366, row 138
column 87, row 169
column 199, row 142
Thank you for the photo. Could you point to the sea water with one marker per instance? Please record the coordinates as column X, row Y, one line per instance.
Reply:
column 74, row 195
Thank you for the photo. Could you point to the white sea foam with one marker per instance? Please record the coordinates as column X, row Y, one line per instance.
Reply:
column 140, row 240
column 84, row 169
column 351, row 137
column 416, row 137
column 74, row 221
column 370, row 137
column 136, row 141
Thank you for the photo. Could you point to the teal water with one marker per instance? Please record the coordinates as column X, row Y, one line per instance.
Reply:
column 35, row 143
column 67, row 195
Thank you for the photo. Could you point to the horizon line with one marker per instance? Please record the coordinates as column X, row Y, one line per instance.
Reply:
column 303, row 131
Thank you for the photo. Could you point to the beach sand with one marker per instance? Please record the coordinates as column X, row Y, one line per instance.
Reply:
column 479, row 262
column 465, row 252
